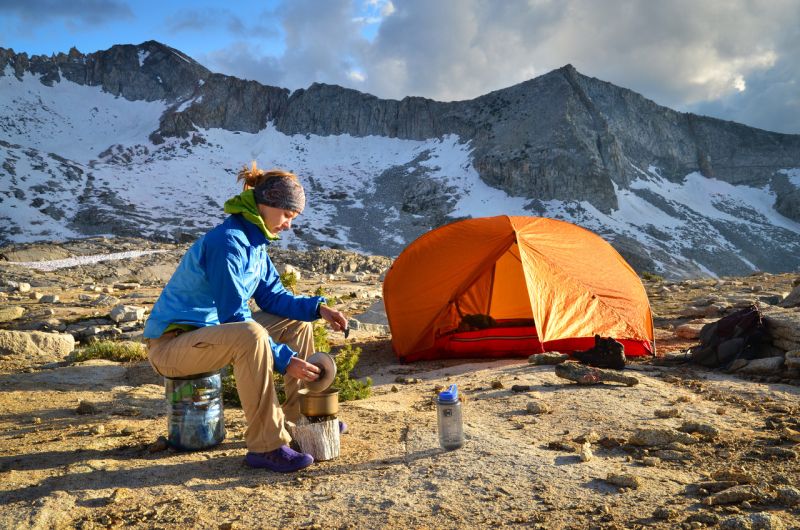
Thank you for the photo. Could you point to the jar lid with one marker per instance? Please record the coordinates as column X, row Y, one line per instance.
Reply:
column 450, row 395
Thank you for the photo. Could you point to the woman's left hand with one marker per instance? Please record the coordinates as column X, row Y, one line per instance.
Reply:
column 334, row 317
column 302, row 370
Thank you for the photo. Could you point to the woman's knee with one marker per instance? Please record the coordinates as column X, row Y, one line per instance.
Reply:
column 249, row 334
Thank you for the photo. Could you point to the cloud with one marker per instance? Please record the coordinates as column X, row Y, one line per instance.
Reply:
column 357, row 76
column 734, row 59
column 75, row 13
column 319, row 48
column 200, row 20
column 242, row 59
column 213, row 19
column 770, row 101
column 375, row 11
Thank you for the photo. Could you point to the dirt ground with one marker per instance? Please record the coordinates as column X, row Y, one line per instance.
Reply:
column 521, row 465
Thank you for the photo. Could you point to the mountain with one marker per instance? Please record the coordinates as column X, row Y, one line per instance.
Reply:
column 143, row 140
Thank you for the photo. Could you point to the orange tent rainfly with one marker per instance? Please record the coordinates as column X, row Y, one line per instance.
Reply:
column 536, row 284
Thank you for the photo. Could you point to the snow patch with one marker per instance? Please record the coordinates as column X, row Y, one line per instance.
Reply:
column 55, row 264
column 654, row 170
column 182, row 56
column 189, row 102
column 793, row 174
column 74, row 121
column 143, row 55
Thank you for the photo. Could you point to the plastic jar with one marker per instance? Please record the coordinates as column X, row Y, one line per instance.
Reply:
column 449, row 420
column 194, row 411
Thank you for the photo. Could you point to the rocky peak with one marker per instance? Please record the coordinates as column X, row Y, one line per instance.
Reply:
column 150, row 71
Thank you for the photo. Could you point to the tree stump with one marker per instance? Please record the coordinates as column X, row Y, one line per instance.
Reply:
column 320, row 439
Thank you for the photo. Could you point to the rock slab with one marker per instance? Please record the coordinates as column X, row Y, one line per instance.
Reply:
column 36, row 344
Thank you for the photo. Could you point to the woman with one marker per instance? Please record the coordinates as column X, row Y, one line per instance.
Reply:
column 202, row 321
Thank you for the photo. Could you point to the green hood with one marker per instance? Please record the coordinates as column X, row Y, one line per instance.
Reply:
column 245, row 204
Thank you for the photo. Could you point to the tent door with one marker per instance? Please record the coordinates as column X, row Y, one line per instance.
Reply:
column 500, row 292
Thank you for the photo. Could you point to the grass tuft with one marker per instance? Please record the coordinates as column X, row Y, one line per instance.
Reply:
column 125, row 351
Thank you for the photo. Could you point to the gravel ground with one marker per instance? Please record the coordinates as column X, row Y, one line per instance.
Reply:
column 557, row 455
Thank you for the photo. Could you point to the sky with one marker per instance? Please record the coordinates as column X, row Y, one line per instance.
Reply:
column 736, row 60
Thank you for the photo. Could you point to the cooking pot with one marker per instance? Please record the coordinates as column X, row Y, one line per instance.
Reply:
column 325, row 403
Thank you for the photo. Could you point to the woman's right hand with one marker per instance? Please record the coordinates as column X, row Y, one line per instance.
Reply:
column 302, row 370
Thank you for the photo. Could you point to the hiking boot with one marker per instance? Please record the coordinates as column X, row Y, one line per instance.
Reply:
column 284, row 459
column 607, row 353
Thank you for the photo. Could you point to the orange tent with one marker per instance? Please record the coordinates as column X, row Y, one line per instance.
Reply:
column 549, row 285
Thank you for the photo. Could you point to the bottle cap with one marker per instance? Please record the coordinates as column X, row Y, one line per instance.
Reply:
column 450, row 395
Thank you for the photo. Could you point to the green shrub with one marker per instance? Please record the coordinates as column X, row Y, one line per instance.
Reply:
column 332, row 300
column 652, row 277
column 289, row 280
column 350, row 389
column 125, row 351
column 321, row 342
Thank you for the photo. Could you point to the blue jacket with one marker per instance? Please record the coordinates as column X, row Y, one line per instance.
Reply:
column 217, row 276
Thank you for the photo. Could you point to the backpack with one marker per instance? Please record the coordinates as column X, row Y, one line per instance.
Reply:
column 736, row 336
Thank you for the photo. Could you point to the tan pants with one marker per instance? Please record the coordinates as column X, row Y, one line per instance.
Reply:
column 245, row 345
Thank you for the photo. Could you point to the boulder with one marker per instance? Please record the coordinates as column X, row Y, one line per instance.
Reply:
column 793, row 299
column 690, row 330
column 127, row 286
column 105, row 300
column 753, row 521
column 741, row 301
column 8, row 314
column 703, row 300
column 374, row 314
column 126, row 313
column 792, row 360
column 784, row 327
column 291, row 269
column 378, row 329
column 766, row 366
column 656, row 436
column 693, row 312
column 36, row 344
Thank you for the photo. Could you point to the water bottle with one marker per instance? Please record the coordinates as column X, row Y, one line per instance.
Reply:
column 194, row 411
column 448, row 416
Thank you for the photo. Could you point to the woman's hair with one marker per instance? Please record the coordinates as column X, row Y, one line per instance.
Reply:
column 253, row 176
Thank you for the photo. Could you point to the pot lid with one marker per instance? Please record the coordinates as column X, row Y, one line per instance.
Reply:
column 327, row 367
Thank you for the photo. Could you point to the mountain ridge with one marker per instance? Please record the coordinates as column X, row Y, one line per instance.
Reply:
column 560, row 141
